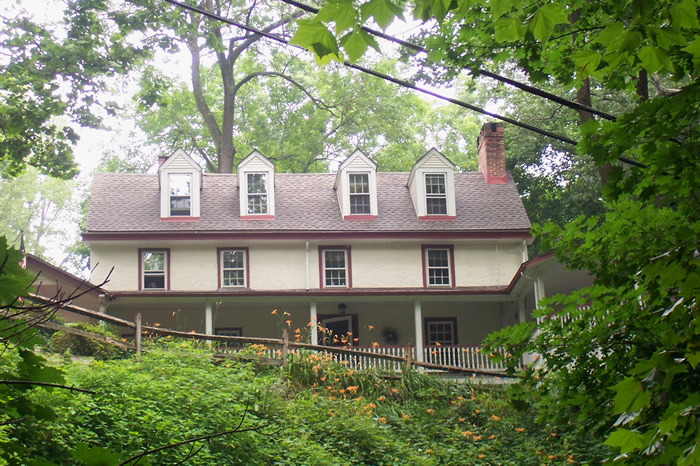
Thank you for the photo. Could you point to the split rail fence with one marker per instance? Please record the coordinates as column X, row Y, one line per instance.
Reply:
column 439, row 358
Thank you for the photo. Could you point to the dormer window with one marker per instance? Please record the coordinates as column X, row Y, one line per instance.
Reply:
column 180, row 185
column 432, row 187
column 180, row 180
column 356, row 187
column 256, row 181
column 435, row 194
column 359, row 194
column 257, row 193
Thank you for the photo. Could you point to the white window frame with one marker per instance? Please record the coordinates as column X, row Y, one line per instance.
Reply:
column 428, row 267
column 171, row 195
column 440, row 196
column 243, row 269
column 154, row 273
column 367, row 194
column 344, row 269
column 264, row 195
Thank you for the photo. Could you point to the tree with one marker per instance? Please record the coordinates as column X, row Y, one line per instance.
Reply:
column 38, row 205
column 619, row 359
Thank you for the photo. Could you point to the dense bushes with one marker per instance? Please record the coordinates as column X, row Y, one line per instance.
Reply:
column 66, row 343
column 315, row 412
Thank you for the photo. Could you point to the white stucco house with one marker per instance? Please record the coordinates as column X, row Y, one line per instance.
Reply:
column 430, row 258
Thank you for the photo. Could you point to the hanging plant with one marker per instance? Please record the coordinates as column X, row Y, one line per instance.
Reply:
column 391, row 336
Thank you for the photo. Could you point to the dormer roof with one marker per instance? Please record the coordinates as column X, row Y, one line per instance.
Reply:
column 432, row 159
column 357, row 160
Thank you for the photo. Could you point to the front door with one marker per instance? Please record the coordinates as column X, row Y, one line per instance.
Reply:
column 336, row 331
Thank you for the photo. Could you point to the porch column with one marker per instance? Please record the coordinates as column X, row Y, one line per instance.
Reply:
column 418, row 318
column 208, row 319
column 522, row 314
column 314, row 323
column 539, row 294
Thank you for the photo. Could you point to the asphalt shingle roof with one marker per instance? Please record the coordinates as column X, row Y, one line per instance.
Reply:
column 303, row 202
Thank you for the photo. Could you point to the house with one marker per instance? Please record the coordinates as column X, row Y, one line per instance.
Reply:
column 429, row 258
column 55, row 284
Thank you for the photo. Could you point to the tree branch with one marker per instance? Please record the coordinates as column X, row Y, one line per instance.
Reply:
column 46, row 384
column 199, row 99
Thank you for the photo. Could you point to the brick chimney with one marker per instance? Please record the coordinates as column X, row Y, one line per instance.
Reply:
column 161, row 159
column 492, row 153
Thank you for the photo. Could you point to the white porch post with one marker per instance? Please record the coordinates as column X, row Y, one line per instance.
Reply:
column 314, row 323
column 539, row 294
column 208, row 319
column 418, row 318
column 522, row 315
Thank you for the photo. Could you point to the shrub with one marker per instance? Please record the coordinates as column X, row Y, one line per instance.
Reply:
column 67, row 343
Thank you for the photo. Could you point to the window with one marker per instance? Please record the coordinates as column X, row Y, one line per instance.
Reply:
column 154, row 266
column 435, row 194
column 335, row 265
column 257, row 193
column 233, row 266
column 180, row 185
column 438, row 266
column 229, row 331
column 441, row 331
column 359, row 193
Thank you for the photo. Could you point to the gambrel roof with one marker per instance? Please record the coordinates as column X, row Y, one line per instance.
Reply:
column 305, row 202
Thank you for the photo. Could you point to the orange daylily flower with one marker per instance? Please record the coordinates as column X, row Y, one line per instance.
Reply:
column 495, row 418
column 375, row 344
column 352, row 388
column 430, row 410
column 405, row 416
column 393, row 390
column 480, row 455
column 492, row 436
column 381, row 398
column 460, row 419
column 274, row 312
column 371, row 327
column 519, row 429
column 382, row 420
column 477, row 437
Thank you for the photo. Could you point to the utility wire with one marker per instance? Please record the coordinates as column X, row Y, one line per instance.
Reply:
column 478, row 71
column 395, row 80
column 386, row 77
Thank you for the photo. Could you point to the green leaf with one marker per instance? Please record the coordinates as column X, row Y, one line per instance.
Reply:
column 626, row 440
column 587, row 62
column 508, row 30
column 342, row 12
column 693, row 48
column 543, row 22
column 693, row 358
column 356, row 42
column 500, row 7
column 313, row 35
column 383, row 12
column 95, row 456
column 684, row 15
column 654, row 59
column 610, row 36
column 630, row 396
column 629, row 41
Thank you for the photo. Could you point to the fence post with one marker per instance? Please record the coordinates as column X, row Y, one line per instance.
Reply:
column 138, row 337
column 407, row 354
column 285, row 347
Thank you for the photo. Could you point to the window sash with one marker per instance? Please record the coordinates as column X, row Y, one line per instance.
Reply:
column 435, row 194
column 233, row 268
column 358, row 184
column 438, row 267
column 154, row 270
column 335, row 267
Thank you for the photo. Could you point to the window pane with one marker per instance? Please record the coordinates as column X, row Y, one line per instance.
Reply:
column 435, row 184
column 441, row 332
column 359, row 184
column 257, row 204
column 154, row 280
column 257, row 183
column 233, row 259
column 436, row 206
column 153, row 261
column 335, row 277
column 359, row 204
column 180, row 184
column 233, row 278
column 335, row 259
column 437, row 258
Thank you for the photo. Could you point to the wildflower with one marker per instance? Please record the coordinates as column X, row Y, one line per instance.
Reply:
column 288, row 322
column 551, row 457
column 173, row 312
column 371, row 327
column 331, row 398
column 227, row 365
column 169, row 336
column 430, row 410
column 381, row 398
column 469, row 432
column 536, row 357
column 465, row 433
column 375, row 344
column 382, row 420
column 495, row 418
column 480, row 455
column 124, row 339
column 492, row 436
column 344, row 363
column 371, row 405
column 460, row 419
column 393, row 390
column 553, row 434
column 519, row 429
column 477, row 411
column 274, row 313
column 341, row 391
column 355, row 340
column 329, row 387
column 309, row 324
column 156, row 324
column 337, row 379
column 297, row 331
column 285, row 313
column 352, row 388
column 428, row 451
column 477, row 438
column 460, row 398
column 359, row 398
column 323, row 379
column 405, row 416
column 437, row 343
column 477, row 350
column 453, row 402
column 570, row 460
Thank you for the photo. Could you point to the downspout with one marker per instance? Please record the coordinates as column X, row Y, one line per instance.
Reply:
column 307, row 266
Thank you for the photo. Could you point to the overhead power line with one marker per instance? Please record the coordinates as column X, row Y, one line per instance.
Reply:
column 400, row 82
column 478, row 71
column 386, row 77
